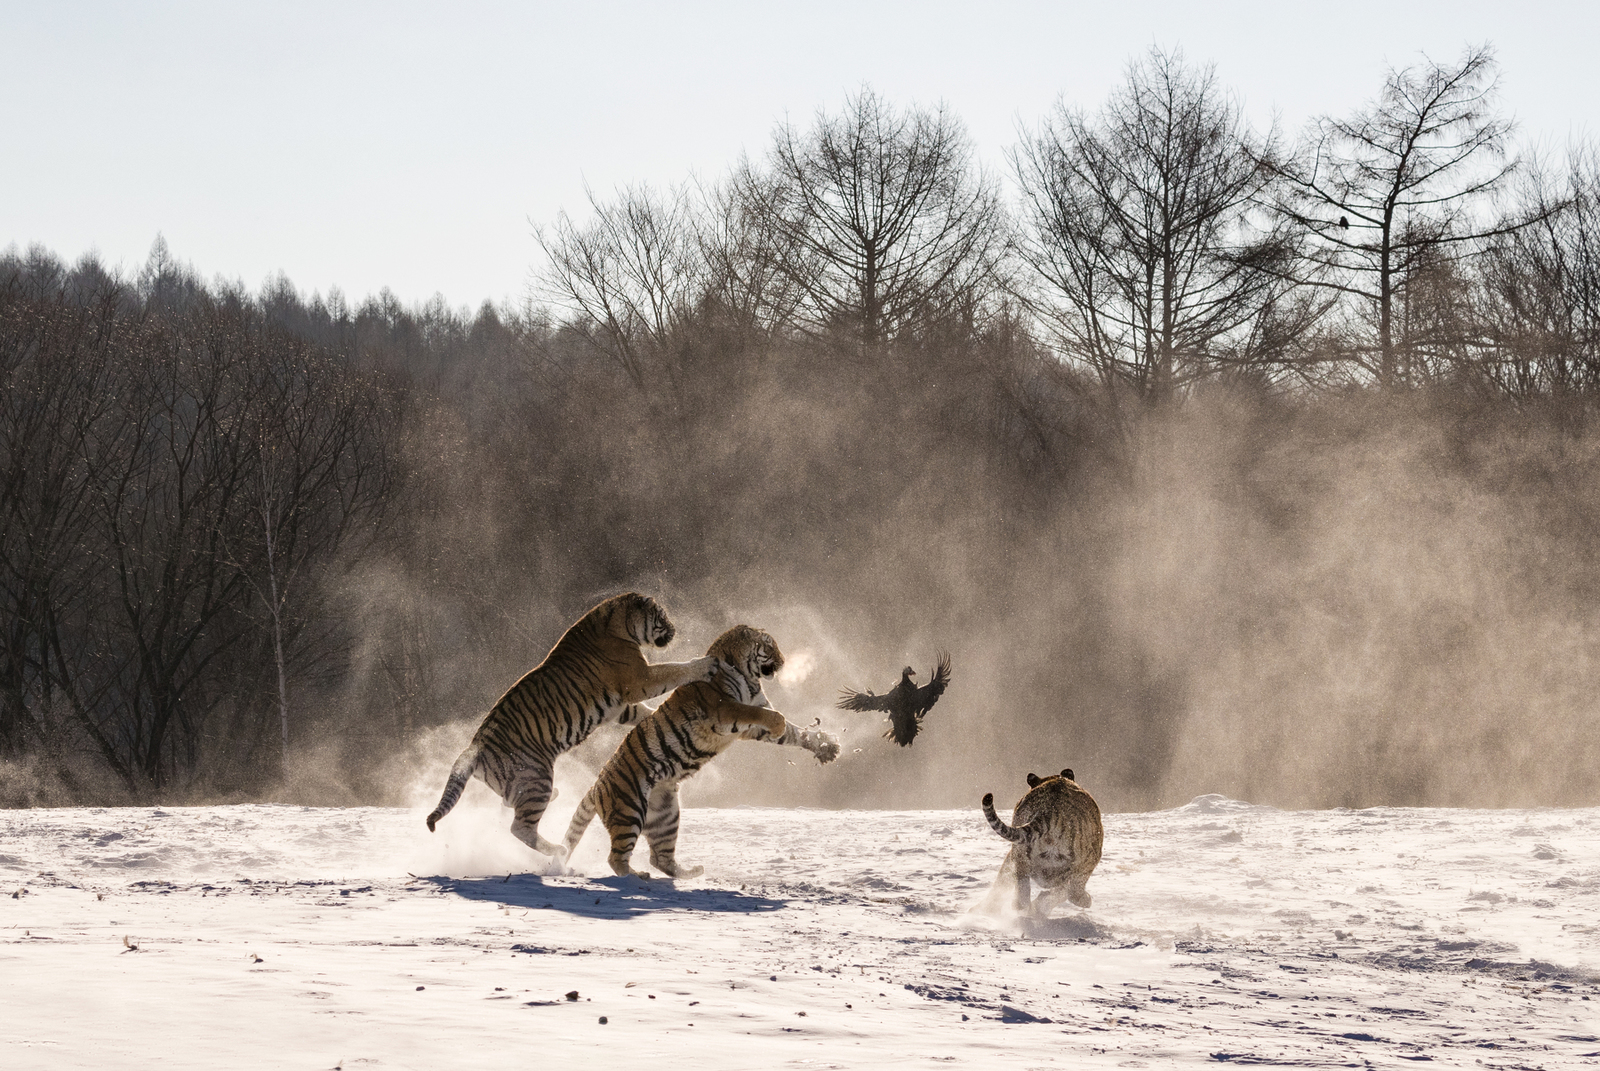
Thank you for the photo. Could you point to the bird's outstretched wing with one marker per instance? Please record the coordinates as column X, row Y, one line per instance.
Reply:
column 849, row 700
column 929, row 693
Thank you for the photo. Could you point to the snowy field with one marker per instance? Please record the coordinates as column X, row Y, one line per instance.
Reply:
column 287, row 937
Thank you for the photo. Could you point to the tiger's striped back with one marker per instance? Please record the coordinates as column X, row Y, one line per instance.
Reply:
column 551, row 710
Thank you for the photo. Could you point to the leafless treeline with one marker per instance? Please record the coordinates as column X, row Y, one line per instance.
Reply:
column 1158, row 243
column 854, row 378
column 177, row 475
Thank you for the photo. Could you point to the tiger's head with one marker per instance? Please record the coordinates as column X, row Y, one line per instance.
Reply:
column 638, row 618
column 1034, row 780
column 750, row 654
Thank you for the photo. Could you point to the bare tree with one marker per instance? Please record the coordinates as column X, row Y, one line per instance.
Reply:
column 1140, row 229
column 156, row 470
column 745, row 287
column 883, row 223
column 57, row 381
column 1540, row 305
column 1395, row 192
column 631, row 276
column 319, row 479
column 172, row 488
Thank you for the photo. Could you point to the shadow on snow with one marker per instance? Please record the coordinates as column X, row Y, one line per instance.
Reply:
column 605, row 898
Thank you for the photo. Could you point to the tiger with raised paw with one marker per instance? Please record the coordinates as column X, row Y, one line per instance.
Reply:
column 637, row 790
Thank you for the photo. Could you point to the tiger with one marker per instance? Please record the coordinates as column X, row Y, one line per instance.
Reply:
column 1057, row 841
column 638, row 787
column 594, row 674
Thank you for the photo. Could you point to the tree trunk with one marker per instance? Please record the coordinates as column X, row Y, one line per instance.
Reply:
column 275, row 606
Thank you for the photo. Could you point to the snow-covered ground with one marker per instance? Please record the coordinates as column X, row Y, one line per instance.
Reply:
column 275, row 936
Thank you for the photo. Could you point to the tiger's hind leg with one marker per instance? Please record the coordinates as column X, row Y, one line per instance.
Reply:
column 530, row 795
column 661, row 831
column 994, row 900
column 623, row 839
column 1024, row 881
column 621, row 809
column 1048, row 900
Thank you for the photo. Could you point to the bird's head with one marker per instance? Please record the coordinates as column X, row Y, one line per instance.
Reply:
column 908, row 673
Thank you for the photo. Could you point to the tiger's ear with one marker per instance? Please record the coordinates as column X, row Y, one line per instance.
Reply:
column 1067, row 773
column 1034, row 779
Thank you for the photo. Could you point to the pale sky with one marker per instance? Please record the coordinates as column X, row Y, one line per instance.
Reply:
column 409, row 145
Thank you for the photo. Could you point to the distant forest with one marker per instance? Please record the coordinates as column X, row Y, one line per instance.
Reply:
column 1222, row 460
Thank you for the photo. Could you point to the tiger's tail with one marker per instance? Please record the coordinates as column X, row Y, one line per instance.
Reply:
column 466, row 765
column 587, row 808
column 1008, row 832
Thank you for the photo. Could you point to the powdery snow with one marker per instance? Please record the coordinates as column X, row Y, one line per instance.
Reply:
column 276, row 936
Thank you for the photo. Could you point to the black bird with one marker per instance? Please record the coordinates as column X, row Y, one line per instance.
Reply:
column 905, row 702
column 1344, row 223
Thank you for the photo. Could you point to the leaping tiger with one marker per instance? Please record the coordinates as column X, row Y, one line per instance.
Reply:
column 595, row 673
column 638, row 787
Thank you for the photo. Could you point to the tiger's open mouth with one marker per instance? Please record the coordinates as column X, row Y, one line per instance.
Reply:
column 768, row 668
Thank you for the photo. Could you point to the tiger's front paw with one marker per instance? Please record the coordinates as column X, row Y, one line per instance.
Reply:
column 704, row 668
column 824, row 745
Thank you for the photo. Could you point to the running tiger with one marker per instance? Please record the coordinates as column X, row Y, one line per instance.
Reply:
column 638, row 787
column 595, row 673
column 1056, row 841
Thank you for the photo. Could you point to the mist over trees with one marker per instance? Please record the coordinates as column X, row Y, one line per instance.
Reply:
column 1222, row 459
